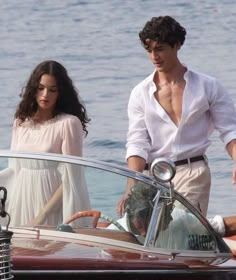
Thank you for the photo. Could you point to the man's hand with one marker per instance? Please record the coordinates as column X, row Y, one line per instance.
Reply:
column 120, row 209
column 135, row 163
column 234, row 175
column 231, row 148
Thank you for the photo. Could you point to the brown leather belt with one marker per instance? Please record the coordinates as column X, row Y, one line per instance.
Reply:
column 182, row 161
column 186, row 161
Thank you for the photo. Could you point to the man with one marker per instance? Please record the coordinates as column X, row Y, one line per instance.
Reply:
column 177, row 226
column 173, row 112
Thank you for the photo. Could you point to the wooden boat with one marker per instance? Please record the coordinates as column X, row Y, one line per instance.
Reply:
column 169, row 246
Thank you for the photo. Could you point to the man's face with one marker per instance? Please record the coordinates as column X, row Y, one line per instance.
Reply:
column 162, row 55
column 139, row 226
column 140, row 221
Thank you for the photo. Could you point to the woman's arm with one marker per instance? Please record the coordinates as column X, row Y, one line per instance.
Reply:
column 52, row 206
column 72, row 143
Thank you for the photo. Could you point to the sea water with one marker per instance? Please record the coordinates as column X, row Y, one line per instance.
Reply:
column 97, row 41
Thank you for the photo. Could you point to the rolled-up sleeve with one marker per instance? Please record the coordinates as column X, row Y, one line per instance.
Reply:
column 138, row 140
column 223, row 113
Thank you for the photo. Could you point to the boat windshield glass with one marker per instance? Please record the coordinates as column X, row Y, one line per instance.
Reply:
column 176, row 226
column 47, row 193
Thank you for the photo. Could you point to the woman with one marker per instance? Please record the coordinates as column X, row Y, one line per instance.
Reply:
column 50, row 118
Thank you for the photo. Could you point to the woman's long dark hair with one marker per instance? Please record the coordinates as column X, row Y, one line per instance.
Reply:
column 68, row 98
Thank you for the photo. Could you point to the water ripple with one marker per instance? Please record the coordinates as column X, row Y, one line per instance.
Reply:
column 98, row 42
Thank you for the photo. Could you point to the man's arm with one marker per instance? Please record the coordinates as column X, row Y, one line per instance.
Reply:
column 135, row 163
column 231, row 148
column 230, row 225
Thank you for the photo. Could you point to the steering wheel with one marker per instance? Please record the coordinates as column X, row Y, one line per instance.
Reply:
column 96, row 216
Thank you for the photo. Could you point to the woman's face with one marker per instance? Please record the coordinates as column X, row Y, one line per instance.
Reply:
column 47, row 93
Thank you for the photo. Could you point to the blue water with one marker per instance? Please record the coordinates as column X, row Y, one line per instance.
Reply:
column 97, row 41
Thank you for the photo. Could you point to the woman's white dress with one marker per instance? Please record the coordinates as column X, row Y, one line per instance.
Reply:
column 35, row 181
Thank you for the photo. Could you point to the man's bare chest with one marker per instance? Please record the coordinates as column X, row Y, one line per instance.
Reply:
column 171, row 100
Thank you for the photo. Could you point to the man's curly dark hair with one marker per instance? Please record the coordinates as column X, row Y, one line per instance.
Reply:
column 68, row 99
column 163, row 29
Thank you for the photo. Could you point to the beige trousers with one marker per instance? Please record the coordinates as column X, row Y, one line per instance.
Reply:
column 193, row 181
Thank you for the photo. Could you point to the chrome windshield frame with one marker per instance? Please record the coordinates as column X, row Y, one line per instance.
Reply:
column 106, row 166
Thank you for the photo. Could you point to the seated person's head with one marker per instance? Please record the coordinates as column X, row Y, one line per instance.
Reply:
column 139, row 206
